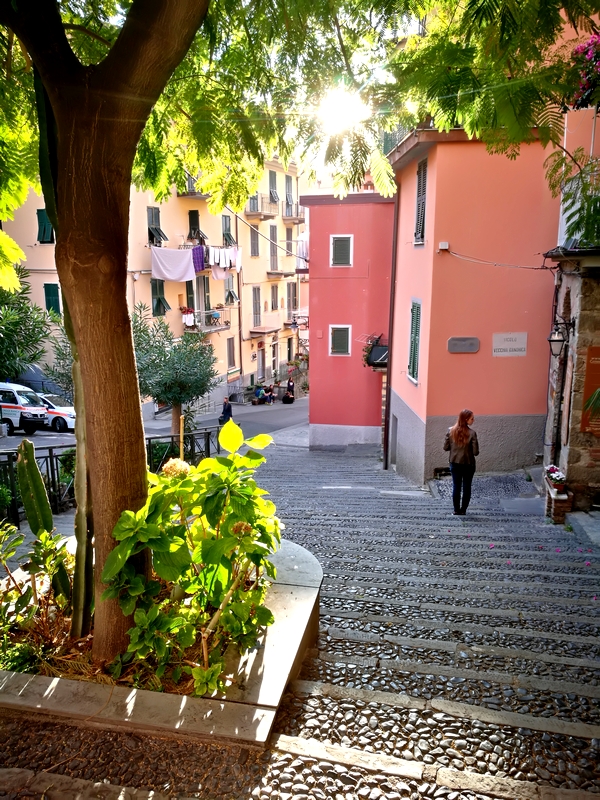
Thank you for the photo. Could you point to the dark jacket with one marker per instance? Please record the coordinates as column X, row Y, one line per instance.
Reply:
column 227, row 412
column 465, row 454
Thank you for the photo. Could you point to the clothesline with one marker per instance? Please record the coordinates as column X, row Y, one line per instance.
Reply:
column 280, row 247
column 183, row 265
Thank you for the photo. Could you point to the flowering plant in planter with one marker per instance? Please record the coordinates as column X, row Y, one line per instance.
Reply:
column 587, row 63
column 556, row 478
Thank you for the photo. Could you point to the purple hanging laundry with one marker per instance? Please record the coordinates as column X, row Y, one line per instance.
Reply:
column 198, row 258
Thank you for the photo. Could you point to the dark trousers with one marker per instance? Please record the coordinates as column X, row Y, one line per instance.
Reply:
column 462, row 477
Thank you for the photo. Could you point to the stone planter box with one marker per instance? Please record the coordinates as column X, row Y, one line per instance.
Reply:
column 259, row 677
column 558, row 503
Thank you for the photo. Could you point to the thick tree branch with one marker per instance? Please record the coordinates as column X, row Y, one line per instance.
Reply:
column 38, row 26
column 90, row 33
column 154, row 39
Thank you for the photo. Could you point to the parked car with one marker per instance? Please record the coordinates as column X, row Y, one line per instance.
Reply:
column 21, row 407
column 61, row 416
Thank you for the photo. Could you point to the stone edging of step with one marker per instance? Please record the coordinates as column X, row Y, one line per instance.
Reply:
column 47, row 784
column 259, row 677
column 443, row 777
column 580, row 730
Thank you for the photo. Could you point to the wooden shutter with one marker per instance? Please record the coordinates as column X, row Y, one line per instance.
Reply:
column 51, row 293
column 415, row 332
column 231, row 352
column 340, row 341
column 288, row 241
column 341, row 251
column 273, row 186
column 274, row 298
column 421, row 194
column 256, row 305
column 45, row 231
column 254, row 251
column 273, row 238
column 189, row 293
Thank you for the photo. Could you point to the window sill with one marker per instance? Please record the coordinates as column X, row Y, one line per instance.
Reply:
column 419, row 244
column 340, row 266
column 413, row 380
column 343, row 355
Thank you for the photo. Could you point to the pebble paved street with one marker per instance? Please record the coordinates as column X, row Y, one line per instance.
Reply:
column 458, row 658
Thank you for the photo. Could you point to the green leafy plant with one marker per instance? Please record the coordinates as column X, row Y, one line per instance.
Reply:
column 5, row 497
column 210, row 531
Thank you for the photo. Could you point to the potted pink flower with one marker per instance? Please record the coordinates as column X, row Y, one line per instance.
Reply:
column 556, row 478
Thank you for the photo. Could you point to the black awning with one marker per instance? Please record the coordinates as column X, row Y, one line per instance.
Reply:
column 378, row 357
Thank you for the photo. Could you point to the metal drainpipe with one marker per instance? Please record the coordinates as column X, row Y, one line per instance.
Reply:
column 388, row 386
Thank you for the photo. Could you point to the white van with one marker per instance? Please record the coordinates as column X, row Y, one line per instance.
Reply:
column 21, row 407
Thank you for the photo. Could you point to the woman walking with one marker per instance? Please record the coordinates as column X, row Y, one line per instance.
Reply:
column 462, row 444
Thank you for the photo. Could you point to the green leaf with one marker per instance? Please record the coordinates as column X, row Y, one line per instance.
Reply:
column 259, row 442
column 127, row 604
column 186, row 635
column 231, row 437
column 264, row 616
column 116, row 559
column 171, row 565
column 213, row 550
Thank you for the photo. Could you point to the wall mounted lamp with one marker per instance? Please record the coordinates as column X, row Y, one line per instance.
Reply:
column 560, row 336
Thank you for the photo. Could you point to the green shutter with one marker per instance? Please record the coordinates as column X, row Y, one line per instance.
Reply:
column 415, row 332
column 159, row 304
column 421, row 195
column 274, row 197
column 254, row 251
column 340, row 341
column 341, row 251
column 51, row 293
column 189, row 293
column 45, row 231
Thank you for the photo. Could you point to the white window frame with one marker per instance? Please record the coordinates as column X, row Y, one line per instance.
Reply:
column 341, row 236
column 342, row 355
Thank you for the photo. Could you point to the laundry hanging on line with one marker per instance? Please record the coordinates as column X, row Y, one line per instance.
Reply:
column 172, row 265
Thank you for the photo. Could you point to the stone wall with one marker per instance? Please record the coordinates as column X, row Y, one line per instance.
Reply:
column 579, row 452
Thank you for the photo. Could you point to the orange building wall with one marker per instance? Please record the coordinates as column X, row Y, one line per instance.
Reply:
column 493, row 209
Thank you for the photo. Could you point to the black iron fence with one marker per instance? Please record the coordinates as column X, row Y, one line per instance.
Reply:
column 57, row 465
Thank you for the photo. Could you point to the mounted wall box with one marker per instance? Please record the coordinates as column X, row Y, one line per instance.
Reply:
column 443, row 246
column 463, row 344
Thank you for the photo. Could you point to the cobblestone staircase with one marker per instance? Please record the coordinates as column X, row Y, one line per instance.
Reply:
column 463, row 647
column 457, row 659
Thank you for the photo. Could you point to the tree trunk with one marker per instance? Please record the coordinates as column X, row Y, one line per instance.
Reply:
column 175, row 418
column 95, row 116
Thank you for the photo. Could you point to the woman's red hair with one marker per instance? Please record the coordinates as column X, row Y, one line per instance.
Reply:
column 460, row 432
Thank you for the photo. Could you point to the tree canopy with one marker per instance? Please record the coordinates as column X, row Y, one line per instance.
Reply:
column 24, row 329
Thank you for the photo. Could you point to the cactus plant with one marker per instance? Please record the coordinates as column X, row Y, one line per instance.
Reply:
column 33, row 491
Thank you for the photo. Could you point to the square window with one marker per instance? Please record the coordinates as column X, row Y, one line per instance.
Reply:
column 52, row 297
column 342, row 251
column 45, row 229
column 339, row 340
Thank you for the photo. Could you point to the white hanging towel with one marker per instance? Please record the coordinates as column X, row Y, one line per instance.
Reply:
column 302, row 251
column 236, row 261
column 219, row 274
column 172, row 265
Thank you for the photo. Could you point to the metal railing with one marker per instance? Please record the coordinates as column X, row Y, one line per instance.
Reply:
column 292, row 210
column 57, row 465
column 215, row 318
column 261, row 204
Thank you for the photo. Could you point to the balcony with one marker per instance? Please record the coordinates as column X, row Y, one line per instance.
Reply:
column 293, row 212
column 278, row 268
column 260, row 207
column 261, row 324
column 217, row 319
column 191, row 191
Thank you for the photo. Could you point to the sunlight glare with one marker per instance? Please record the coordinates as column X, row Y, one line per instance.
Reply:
column 341, row 110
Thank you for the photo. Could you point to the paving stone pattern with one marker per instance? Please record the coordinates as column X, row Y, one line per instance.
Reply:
column 418, row 607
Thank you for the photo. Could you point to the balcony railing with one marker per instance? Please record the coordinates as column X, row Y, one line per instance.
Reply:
column 265, row 323
column 214, row 320
column 260, row 206
column 293, row 212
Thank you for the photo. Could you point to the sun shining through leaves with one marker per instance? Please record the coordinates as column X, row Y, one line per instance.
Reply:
column 342, row 110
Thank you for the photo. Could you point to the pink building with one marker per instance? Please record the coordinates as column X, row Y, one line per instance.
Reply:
column 350, row 263
column 472, row 307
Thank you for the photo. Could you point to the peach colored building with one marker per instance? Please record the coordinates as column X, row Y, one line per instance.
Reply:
column 350, row 265
column 247, row 314
column 471, row 312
